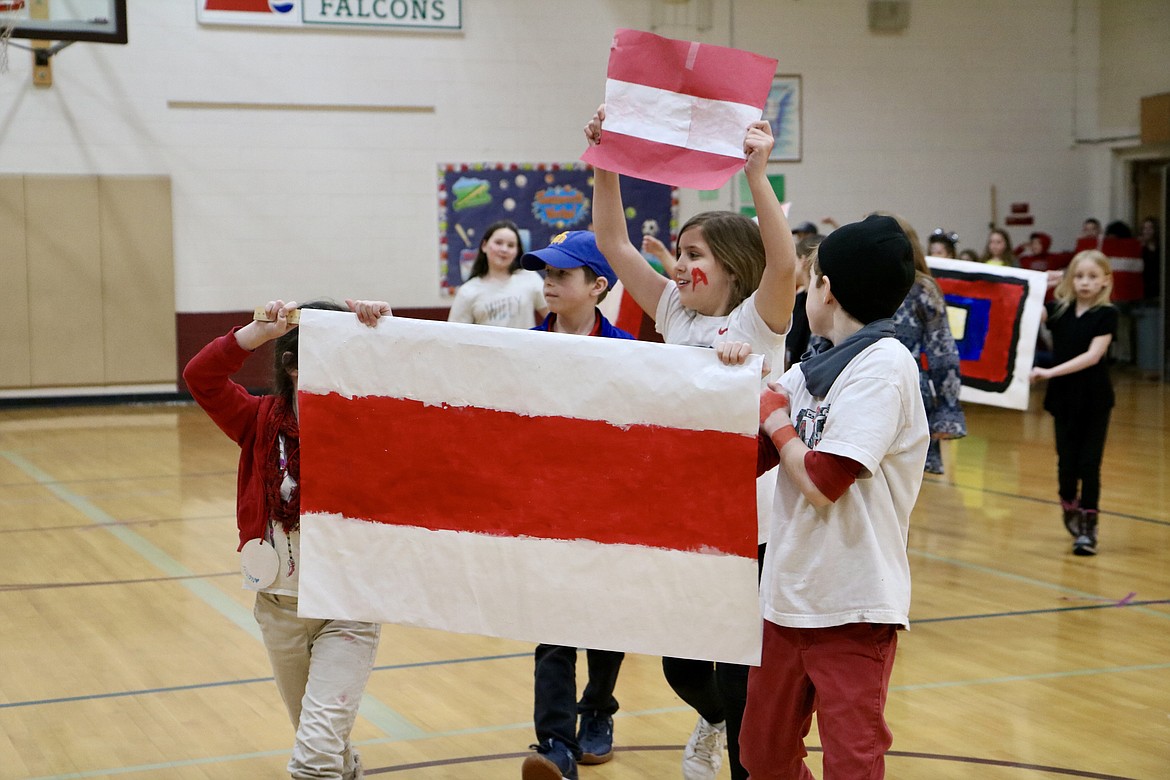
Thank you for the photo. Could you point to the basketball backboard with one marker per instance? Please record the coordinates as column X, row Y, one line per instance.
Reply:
column 98, row 21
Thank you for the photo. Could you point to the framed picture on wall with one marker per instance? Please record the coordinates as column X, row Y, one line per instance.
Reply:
column 783, row 112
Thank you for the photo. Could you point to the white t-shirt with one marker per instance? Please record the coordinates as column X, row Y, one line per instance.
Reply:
column 680, row 325
column 847, row 563
column 508, row 304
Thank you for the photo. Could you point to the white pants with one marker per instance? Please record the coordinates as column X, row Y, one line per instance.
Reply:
column 321, row 668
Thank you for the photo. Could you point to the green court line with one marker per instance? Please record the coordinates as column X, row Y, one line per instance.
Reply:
column 381, row 716
column 359, row 743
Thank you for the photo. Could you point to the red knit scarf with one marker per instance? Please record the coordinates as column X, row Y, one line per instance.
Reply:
column 282, row 421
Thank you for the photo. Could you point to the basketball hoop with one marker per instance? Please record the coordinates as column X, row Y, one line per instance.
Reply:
column 8, row 17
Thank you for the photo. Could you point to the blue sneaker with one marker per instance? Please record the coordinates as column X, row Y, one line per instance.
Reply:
column 595, row 737
column 553, row 761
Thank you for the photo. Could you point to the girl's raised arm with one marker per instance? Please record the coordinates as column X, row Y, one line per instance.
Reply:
column 777, row 292
column 609, row 224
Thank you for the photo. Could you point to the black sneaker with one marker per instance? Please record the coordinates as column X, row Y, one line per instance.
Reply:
column 1086, row 542
column 1072, row 520
column 553, row 761
column 1085, row 545
column 595, row 737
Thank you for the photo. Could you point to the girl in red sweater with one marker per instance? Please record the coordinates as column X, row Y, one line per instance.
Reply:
column 320, row 666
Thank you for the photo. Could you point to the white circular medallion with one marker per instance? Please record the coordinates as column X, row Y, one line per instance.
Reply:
column 258, row 564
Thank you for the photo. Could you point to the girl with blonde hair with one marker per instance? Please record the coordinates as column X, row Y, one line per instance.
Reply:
column 1080, row 394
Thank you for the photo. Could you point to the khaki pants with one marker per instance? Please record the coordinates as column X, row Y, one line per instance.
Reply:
column 321, row 668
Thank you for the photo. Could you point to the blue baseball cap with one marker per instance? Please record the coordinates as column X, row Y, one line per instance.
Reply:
column 571, row 249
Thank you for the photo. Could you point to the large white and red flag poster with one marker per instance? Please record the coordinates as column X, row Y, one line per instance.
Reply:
column 994, row 314
column 676, row 112
column 563, row 489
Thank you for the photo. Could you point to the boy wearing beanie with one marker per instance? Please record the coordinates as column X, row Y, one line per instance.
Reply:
column 851, row 434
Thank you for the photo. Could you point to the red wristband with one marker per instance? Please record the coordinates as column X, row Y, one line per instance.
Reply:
column 783, row 436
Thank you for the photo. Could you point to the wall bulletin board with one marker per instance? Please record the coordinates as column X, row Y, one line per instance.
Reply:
column 543, row 199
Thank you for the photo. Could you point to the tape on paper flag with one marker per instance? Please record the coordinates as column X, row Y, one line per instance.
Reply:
column 676, row 112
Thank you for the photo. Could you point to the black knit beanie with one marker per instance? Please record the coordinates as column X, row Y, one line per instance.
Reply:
column 871, row 266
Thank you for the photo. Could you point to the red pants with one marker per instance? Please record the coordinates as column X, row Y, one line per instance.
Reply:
column 843, row 674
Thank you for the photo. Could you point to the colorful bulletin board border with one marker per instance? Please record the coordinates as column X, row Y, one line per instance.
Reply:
column 994, row 314
column 543, row 199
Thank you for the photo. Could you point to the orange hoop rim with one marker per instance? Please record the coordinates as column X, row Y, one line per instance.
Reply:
column 8, row 6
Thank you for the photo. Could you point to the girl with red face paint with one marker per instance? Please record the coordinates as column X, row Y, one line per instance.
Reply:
column 733, row 282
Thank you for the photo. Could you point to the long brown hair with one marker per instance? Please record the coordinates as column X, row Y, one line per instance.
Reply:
column 736, row 245
column 289, row 344
column 1010, row 259
column 480, row 266
column 921, row 269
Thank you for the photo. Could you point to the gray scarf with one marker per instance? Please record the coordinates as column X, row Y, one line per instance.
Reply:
column 821, row 368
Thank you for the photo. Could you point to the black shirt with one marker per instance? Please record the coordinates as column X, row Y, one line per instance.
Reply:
column 1089, row 389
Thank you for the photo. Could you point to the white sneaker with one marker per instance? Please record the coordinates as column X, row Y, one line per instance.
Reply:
column 703, row 755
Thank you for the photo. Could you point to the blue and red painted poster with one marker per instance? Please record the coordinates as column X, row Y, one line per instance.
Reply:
column 994, row 314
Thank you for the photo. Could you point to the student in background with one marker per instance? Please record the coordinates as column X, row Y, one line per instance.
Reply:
column 1080, row 394
column 498, row 291
column 922, row 327
column 1036, row 256
column 796, row 342
column 999, row 249
column 942, row 244
column 803, row 230
column 660, row 252
column 1151, row 237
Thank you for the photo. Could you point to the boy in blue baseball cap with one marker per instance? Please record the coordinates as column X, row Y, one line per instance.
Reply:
column 577, row 278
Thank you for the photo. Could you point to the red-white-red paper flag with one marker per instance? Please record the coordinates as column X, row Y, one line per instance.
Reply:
column 563, row 489
column 676, row 112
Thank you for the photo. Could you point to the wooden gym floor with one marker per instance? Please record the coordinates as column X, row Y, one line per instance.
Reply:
column 128, row 649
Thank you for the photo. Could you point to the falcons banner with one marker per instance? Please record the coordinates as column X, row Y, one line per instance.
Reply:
column 676, row 112
column 994, row 314
column 506, row 482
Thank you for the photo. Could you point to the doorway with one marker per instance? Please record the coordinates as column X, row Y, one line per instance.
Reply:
column 1150, row 198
